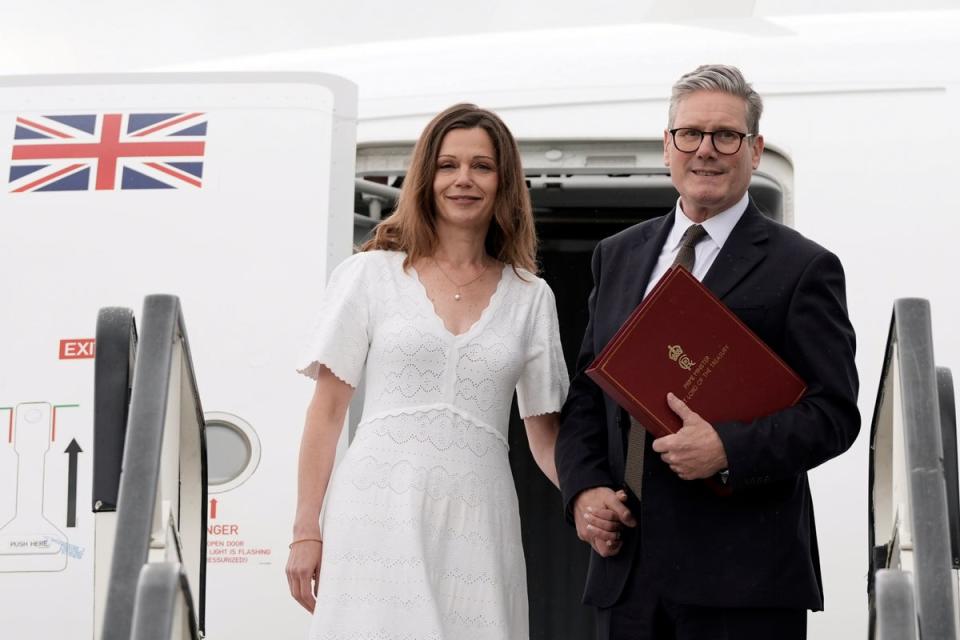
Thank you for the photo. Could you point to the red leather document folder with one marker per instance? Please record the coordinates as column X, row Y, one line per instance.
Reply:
column 683, row 339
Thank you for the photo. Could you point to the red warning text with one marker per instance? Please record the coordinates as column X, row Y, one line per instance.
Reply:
column 223, row 529
column 77, row 348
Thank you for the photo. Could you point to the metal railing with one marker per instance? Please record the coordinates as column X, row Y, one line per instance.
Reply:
column 378, row 198
column 912, row 525
column 161, row 508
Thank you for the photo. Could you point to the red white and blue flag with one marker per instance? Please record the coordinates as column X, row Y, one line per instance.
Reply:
column 108, row 152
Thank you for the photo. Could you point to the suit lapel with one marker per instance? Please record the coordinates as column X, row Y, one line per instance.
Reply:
column 740, row 253
column 645, row 253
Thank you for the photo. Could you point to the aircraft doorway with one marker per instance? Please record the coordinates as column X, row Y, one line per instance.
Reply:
column 573, row 214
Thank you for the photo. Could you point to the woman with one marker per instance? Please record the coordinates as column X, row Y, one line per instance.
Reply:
column 441, row 310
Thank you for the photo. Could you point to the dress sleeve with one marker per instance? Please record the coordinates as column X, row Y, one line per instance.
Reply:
column 543, row 382
column 341, row 334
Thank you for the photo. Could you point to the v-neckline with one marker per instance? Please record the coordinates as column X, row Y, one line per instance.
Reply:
column 476, row 323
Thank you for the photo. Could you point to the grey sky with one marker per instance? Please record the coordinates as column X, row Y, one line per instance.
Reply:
column 56, row 36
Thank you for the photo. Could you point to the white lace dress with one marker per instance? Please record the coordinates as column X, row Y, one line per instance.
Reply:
column 421, row 525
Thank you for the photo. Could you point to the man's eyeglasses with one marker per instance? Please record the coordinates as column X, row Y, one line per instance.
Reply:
column 725, row 141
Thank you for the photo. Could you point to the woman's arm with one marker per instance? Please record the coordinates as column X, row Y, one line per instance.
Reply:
column 542, row 433
column 318, row 447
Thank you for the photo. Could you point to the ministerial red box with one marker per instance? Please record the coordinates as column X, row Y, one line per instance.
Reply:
column 683, row 339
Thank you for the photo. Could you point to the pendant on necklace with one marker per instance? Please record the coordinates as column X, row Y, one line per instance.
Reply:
column 456, row 297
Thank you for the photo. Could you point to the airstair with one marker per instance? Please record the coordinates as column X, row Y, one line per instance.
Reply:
column 150, row 478
column 914, row 519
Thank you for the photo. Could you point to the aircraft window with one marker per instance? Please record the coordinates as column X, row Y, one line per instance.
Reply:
column 233, row 451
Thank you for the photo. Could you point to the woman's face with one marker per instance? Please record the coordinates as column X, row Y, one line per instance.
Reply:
column 465, row 183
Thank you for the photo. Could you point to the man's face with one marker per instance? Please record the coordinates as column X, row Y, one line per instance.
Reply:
column 707, row 180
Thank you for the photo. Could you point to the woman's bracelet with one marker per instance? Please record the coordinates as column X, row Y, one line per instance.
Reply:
column 290, row 546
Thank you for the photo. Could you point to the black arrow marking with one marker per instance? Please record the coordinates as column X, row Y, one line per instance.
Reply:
column 72, row 450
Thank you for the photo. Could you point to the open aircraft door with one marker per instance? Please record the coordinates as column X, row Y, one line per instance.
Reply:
column 233, row 192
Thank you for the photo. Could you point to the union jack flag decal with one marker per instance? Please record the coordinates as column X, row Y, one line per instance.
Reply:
column 108, row 152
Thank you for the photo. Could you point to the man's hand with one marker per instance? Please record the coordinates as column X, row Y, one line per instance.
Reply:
column 695, row 451
column 599, row 514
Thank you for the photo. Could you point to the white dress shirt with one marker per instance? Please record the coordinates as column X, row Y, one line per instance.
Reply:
column 718, row 229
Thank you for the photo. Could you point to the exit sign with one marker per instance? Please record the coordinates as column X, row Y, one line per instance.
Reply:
column 77, row 348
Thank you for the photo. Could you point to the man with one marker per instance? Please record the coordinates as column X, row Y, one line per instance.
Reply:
column 678, row 560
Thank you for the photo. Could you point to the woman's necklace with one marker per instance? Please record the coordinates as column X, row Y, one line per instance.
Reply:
column 458, row 295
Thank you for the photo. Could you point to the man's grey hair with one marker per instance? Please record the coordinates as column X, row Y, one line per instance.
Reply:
column 718, row 77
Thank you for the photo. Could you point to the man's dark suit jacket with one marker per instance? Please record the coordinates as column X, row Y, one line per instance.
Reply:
column 757, row 547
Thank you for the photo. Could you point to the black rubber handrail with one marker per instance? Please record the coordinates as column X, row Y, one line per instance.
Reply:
column 116, row 345
column 948, row 426
column 160, row 586
column 896, row 613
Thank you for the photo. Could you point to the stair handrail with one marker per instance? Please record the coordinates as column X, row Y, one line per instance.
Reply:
column 116, row 346
column 164, row 604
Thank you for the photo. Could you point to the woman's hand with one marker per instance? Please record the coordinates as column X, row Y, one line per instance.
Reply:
column 600, row 513
column 303, row 570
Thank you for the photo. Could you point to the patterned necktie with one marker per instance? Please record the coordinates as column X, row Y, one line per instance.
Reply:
column 636, row 437
column 686, row 256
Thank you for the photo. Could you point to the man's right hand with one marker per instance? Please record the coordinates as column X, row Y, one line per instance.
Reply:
column 599, row 514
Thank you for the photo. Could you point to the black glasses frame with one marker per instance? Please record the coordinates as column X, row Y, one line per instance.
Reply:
column 673, row 136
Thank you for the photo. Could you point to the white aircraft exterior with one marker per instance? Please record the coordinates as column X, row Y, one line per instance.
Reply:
column 859, row 123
